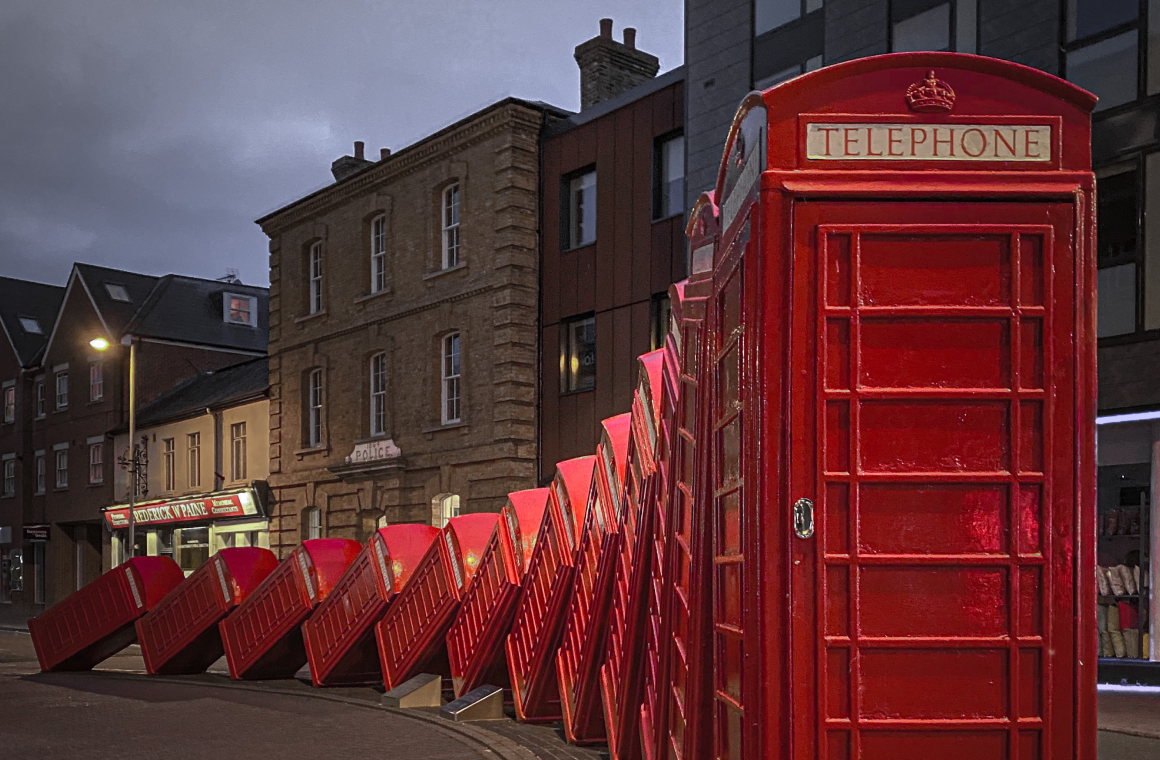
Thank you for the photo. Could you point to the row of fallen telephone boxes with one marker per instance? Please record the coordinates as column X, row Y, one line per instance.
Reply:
column 561, row 598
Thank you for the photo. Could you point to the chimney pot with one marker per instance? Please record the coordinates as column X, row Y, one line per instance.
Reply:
column 384, row 153
column 606, row 28
column 358, row 149
column 630, row 37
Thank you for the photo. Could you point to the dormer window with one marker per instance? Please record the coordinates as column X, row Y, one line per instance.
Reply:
column 30, row 325
column 239, row 309
column 117, row 292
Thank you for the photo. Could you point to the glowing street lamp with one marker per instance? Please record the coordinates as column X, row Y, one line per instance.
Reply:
column 102, row 344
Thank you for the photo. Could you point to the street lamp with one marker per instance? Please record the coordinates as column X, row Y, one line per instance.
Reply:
column 102, row 344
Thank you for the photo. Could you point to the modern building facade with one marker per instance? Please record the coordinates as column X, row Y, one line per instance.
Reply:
column 1110, row 47
column 613, row 239
column 403, row 345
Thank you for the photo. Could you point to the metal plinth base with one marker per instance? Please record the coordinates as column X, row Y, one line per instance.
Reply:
column 484, row 703
column 424, row 690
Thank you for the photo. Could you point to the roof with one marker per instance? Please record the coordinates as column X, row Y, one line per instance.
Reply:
column 190, row 310
column 216, row 389
column 115, row 314
column 605, row 107
column 28, row 300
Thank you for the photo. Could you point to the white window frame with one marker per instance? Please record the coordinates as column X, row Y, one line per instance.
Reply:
column 379, row 253
column 450, row 225
column 451, row 366
column 96, row 381
column 238, row 451
column 10, row 401
column 61, row 390
column 674, row 145
column 316, row 277
column 448, row 508
column 313, row 523
column 60, row 465
column 41, row 466
column 169, row 462
column 251, row 312
column 9, row 486
column 193, row 458
column 96, row 463
column 41, row 399
column 577, row 185
column 314, row 408
column 378, row 393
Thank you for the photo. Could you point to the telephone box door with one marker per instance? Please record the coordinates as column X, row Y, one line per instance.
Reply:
column 932, row 486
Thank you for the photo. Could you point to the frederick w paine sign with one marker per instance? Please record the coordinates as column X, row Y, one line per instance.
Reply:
column 928, row 142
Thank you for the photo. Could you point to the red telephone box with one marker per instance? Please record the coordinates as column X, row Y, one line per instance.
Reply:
column 475, row 640
column 412, row 636
column 180, row 635
column 339, row 636
column 535, row 636
column 622, row 675
column 900, row 409
column 582, row 647
column 263, row 635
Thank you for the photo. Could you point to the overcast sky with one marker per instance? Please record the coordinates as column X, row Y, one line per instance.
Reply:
column 148, row 135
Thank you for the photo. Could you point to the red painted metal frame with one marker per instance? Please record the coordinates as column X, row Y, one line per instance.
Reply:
column 339, row 636
column 475, row 640
column 535, row 636
column 412, row 636
column 97, row 621
column 180, row 635
column 914, row 344
column 582, row 647
column 622, row 675
column 263, row 635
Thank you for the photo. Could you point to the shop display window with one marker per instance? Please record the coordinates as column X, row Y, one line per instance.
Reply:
column 1122, row 560
column 192, row 548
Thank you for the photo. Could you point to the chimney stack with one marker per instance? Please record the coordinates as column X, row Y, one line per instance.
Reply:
column 345, row 166
column 384, row 153
column 358, row 150
column 608, row 67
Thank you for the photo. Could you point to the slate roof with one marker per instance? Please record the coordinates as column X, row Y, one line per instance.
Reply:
column 190, row 310
column 116, row 314
column 215, row 389
column 22, row 298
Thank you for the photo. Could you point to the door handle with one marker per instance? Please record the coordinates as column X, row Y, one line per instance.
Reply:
column 803, row 518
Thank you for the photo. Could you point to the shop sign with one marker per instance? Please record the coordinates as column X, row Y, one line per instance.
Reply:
column 374, row 451
column 219, row 506
column 37, row 532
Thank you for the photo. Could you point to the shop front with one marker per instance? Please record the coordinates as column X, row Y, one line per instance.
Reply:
column 1127, row 546
column 191, row 529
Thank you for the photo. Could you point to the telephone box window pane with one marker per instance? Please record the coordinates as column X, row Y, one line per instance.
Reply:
column 1088, row 17
column 1106, row 68
column 1117, row 301
column 929, row 30
column 579, row 360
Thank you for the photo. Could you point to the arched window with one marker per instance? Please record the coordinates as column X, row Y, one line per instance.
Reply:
column 378, row 394
column 381, row 522
column 450, row 366
column 379, row 253
column 448, row 508
column 313, row 523
column 451, row 226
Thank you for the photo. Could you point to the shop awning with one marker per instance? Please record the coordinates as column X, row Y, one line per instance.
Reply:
column 220, row 505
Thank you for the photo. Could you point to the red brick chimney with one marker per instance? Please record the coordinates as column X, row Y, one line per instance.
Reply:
column 608, row 67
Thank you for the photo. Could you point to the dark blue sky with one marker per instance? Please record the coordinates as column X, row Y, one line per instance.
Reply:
column 149, row 135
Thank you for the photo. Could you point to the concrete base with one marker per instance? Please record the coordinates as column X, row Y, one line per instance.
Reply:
column 484, row 703
column 424, row 690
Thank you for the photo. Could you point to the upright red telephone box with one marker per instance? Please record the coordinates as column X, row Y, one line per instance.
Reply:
column 901, row 407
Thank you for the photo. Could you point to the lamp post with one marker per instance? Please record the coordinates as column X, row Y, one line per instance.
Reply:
column 102, row 344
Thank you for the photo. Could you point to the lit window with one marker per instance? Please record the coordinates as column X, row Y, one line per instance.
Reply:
column 578, row 355
column 669, row 178
column 378, row 394
column 30, row 325
column 96, row 382
column 1117, row 251
column 239, row 309
column 194, row 444
column 169, row 463
column 379, row 254
column 117, row 292
column 316, row 278
column 581, row 216
column 451, row 226
column 10, row 403
column 62, row 390
column 314, row 408
column 40, row 405
column 96, row 463
column 61, row 468
column 9, row 475
column 451, row 391
column 238, row 451
column 40, row 472
column 928, row 30
column 313, row 523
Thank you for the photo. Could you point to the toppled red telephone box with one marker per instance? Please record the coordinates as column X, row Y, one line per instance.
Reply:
column 181, row 635
column 97, row 621
column 475, row 640
column 339, row 636
column 412, row 636
column 263, row 635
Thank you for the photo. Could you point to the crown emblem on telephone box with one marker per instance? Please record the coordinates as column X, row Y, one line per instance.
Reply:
column 930, row 95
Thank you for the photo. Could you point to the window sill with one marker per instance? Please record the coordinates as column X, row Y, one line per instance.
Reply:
column 39, row 493
column 95, row 485
column 7, row 496
column 580, row 247
column 659, row 219
column 60, row 409
column 93, row 401
column 448, row 270
column 578, row 392
column 448, row 426
column 40, row 417
column 321, row 449
column 60, row 489
column 370, row 296
column 308, row 317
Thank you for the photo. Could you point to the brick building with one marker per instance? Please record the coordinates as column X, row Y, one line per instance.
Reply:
column 74, row 395
column 403, row 347
column 613, row 238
